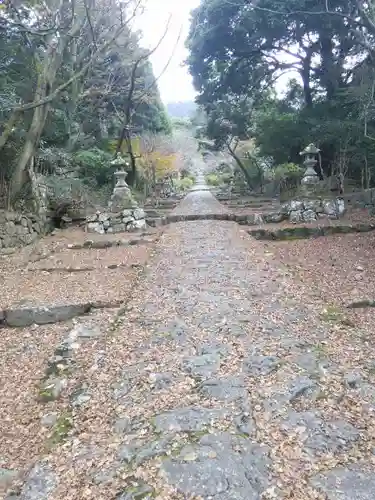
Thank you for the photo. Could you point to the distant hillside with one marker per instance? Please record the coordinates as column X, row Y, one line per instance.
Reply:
column 181, row 109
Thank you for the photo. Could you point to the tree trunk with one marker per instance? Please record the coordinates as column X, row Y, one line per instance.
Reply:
column 241, row 166
column 8, row 128
column 305, row 75
column 32, row 140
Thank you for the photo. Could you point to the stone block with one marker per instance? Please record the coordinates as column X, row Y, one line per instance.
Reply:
column 19, row 316
column 118, row 228
column 295, row 216
column 309, row 215
column 136, row 225
column 139, row 213
column 95, row 227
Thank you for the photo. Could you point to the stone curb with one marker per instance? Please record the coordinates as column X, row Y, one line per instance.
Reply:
column 17, row 317
column 88, row 244
column 309, row 232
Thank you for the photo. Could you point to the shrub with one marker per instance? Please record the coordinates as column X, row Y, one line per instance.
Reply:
column 94, row 166
column 213, row 180
column 184, row 184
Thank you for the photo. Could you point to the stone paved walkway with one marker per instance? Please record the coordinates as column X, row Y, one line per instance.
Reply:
column 218, row 387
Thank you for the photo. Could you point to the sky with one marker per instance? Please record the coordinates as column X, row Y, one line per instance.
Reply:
column 175, row 83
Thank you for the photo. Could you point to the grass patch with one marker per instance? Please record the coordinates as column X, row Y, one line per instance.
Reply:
column 61, row 429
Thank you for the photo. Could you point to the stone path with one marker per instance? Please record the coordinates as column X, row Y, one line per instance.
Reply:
column 215, row 386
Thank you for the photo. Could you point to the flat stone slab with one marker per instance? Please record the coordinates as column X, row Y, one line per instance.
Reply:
column 40, row 483
column 318, row 436
column 261, row 365
column 187, row 419
column 225, row 389
column 43, row 315
column 202, row 366
column 221, row 466
column 356, row 482
column 27, row 315
column 301, row 387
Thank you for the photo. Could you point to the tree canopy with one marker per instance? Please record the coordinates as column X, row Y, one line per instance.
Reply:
column 240, row 51
column 73, row 75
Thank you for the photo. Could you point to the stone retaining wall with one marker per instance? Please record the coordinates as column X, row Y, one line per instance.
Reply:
column 18, row 229
column 309, row 210
column 107, row 222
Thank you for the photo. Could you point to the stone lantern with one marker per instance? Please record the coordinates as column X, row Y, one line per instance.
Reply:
column 310, row 177
column 121, row 197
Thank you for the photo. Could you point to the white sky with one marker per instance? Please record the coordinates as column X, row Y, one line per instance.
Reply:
column 175, row 84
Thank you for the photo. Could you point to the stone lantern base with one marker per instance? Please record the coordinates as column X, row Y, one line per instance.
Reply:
column 122, row 199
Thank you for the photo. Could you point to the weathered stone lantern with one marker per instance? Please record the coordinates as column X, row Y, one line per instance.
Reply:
column 121, row 197
column 120, row 174
column 310, row 177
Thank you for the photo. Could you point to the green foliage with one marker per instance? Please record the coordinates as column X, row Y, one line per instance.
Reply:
column 184, row 184
column 94, row 109
column 94, row 166
column 238, row 50
column 213, row 180
column 288, row 171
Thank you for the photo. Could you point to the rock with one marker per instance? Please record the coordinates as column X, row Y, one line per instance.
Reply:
column 352, row 379
column 301, row 387
column 126, row 454
column 106, row 224
column 311, row 362
column 319, row 436
column 245, row 424
column 40, row 483
column 356, row 481
column 154, row 449
column 160, row 380
column 51, row 389
column 7, row 250
column 136, row 225
column 295, row 216
column 274, row 217
column 118, row 228
column 126, row 220
column 94, row 227
column 49, row 419
column 225, row 389
column 213, row 348
column 42, row 315
column 221, row 466
column 122, row 425
column 261, row 365
column 296, row 206
column 92, row 218
column 139, row 213
column 7, row 476
column 202, row 366
column 314, row 205
column 83, row 331
column 188, row 419
column 340, row 206
column 254, row 219
column 138, row 490
column 127, row 213
column 308, row 216
column 334, row 208
column 105, row 476
column 103, row 217
column 80, row 397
